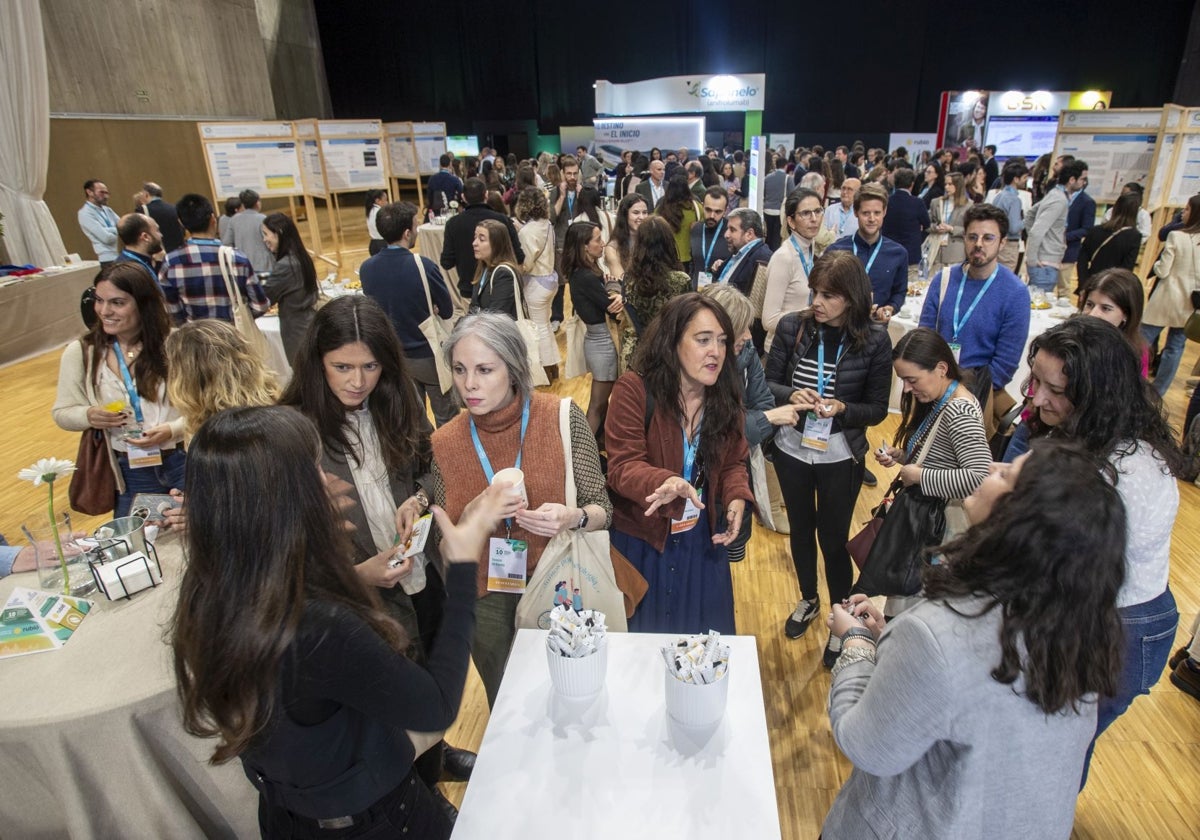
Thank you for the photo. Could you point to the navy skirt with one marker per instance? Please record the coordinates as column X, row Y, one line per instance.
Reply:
column 691, row 590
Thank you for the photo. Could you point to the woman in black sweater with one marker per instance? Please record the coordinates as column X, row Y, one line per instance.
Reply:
column 582, row 249
column 835, row 365
column 1113, row 243
column 285, row 655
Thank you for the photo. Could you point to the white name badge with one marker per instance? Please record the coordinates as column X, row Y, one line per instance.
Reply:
column 691, row 515
column 506, row 565
column 138, row 458
column 817, row 431
column 704, row 278
column 956, row 349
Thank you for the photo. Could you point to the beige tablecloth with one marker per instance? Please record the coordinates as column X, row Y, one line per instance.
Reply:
column 430, row 240
column 91, row 743
column 41, row 312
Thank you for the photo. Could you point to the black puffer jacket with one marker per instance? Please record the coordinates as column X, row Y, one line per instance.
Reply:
column 864, row 377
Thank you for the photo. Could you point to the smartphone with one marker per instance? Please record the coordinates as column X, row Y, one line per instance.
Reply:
column 153, row 505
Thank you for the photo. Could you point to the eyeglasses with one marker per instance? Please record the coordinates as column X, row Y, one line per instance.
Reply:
column 975, row 238
column 810, row 214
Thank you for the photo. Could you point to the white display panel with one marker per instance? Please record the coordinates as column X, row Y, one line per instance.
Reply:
column 269, row 167
column 314, row 178
column 641, row 134
column 1112, row 159
column 1186, row 182
column 429, row 151
column 1022, row 136
column 241, row 131
column 353, row 163
column 401, row 151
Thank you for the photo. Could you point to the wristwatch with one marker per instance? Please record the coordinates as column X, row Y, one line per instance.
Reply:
column 858, row 633
column 583, row 521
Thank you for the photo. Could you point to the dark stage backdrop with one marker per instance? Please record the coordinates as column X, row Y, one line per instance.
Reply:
column 863, row 68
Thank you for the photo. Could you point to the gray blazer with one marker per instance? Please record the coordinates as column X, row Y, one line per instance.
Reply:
column 285, row 287
column 940, row 748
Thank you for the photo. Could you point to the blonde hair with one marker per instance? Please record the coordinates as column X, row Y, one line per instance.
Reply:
column 211, row 369
column 736, row 305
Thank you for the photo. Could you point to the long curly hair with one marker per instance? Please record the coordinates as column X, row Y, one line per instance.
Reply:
column 622, row 234
column 656, row 359
column 1051, row 557
column 1113, row 407
column 250, row 578
column 212, row 369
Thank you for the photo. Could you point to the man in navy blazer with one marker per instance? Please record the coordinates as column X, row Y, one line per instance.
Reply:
column 1081, row 217
column 907, row 218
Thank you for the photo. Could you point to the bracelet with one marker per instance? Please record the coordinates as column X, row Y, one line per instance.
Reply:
column 422, row 499
column 851, row 656
column 858, row 633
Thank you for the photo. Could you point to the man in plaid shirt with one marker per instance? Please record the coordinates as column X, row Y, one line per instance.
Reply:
column 191, row 278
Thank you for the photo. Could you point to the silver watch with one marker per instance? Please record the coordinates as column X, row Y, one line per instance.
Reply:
column 583, row 520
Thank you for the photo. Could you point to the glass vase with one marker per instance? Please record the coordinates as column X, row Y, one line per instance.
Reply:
column 41, row 536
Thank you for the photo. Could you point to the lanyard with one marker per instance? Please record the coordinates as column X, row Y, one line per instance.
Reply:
column 845, row 214
column 960, row 323
column 737, row 258
column 690, row 450
column 482, row 285
column 874, row 252
column 104, row 217
column 134, row 399
column 133, row 256
column 822, row 377
column 204, row 240
column 484, row 462
column 806, row 262
column 929, row 418
column 947, row 210
column 570, row 205
column 706, row 249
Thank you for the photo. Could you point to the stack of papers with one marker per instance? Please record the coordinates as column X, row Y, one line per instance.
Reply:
column 34, row 621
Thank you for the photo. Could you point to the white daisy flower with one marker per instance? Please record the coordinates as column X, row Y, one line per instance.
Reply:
column 47, row 470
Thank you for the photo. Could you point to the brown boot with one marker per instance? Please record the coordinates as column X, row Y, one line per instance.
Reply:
column 1186, row 677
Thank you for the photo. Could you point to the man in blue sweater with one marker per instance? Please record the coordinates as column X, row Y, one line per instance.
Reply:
column 886, row 261
column 393, row 279
column 984, row 315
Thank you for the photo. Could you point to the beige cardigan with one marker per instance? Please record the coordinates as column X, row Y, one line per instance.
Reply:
column 77, row 393
column 1178, row 272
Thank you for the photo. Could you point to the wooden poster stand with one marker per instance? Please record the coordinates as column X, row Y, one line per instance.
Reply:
column 414, row 149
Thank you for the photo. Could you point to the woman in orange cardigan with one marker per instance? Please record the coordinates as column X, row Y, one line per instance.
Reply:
column 677, row 467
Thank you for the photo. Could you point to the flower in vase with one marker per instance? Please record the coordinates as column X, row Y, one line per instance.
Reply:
column 47, row 470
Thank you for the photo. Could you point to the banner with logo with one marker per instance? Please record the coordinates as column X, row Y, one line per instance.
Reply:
column 683, row 95
column 1018, row 123
column 915, row 143
column 641, row 134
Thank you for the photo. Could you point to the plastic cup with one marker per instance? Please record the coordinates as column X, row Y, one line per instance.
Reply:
column 517, row 479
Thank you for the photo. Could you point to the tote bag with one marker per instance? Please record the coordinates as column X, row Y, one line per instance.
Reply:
column 243, row 319
column 529, row 336
column 436, row 330
column 93, row 488
column 576, row 332
column 572, row 560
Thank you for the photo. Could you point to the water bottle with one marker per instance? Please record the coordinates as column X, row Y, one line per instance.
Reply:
column 924, row 269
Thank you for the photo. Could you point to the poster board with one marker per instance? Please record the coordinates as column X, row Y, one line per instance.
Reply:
column 261, row 156
column 311, row 169
column 430, row 139
column 353, row 155
column 1183, row 178
column 402, row 149
column 1119, row 145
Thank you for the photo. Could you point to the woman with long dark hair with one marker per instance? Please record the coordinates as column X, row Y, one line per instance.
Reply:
column 589, row 209
column 285, row 655
column 631, row 212
column 835, row 365
column 292, row 285
column 1116, row 295
column 593, row 304
column 496, row 275
column 974, row 713
column 677, row 467
column 934, row 183
column 1086, row 386
column 1113, row 243
column 652, row 278
column 122, row 361
column 680, row 210
column 732, row 185
column 374, row 200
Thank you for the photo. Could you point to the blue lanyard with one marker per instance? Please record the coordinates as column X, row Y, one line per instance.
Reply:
column 707, row 249
column 134, row 399
column 570, row 205
column 133, row 256
column 822, row 377
column 104, row 217
column 841, row 226
column 929, row 418
column 959, row 324
column 690, row 450
column 482, row 286
column 737, row 258
column 807, row 263
column 484, row 462
column 874, row 252
column 204, row 240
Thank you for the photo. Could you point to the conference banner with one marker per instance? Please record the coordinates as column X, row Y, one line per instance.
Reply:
column 682, row 95
column 641, row 134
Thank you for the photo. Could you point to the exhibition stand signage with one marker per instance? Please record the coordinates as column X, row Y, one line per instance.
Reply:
column 683, row 95
column 614, row 136
column 1018, row 123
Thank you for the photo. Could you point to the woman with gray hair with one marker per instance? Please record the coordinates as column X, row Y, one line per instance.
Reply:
column 508, row 424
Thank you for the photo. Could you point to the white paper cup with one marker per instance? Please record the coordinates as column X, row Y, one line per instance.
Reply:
column 696, row 705
column 516, row 477
column 582, row 677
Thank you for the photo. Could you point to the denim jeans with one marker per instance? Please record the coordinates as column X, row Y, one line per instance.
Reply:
column 1018, row 444
column 1044, row 277
column 1149, row 633
column 1172, row 354
column 160, row 479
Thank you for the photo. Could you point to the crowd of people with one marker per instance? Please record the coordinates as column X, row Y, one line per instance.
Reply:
column 721, row 342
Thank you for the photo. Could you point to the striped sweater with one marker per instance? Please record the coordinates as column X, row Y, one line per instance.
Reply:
column 958, row 459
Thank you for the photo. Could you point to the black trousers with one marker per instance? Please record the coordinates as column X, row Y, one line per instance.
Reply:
column 820, row 504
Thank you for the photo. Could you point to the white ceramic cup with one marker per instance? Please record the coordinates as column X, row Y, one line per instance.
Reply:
column 696, row 705
column 582, row 677
column 516, row 477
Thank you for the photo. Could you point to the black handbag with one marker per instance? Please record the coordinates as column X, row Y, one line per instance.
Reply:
column 913, row 523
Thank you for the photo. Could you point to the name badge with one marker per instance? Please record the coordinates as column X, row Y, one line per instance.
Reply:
column 817, row 431
column 956, row 349
column 691, row 515
column 506, row 565
column 138, row 458
column 704, row 278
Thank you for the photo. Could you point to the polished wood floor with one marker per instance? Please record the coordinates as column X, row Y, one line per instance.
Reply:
column 1145, row 779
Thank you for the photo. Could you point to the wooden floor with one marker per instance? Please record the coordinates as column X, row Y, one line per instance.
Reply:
column 1144, row 766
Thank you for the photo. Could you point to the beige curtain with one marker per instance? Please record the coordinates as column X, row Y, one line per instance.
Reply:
column 30, row 233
